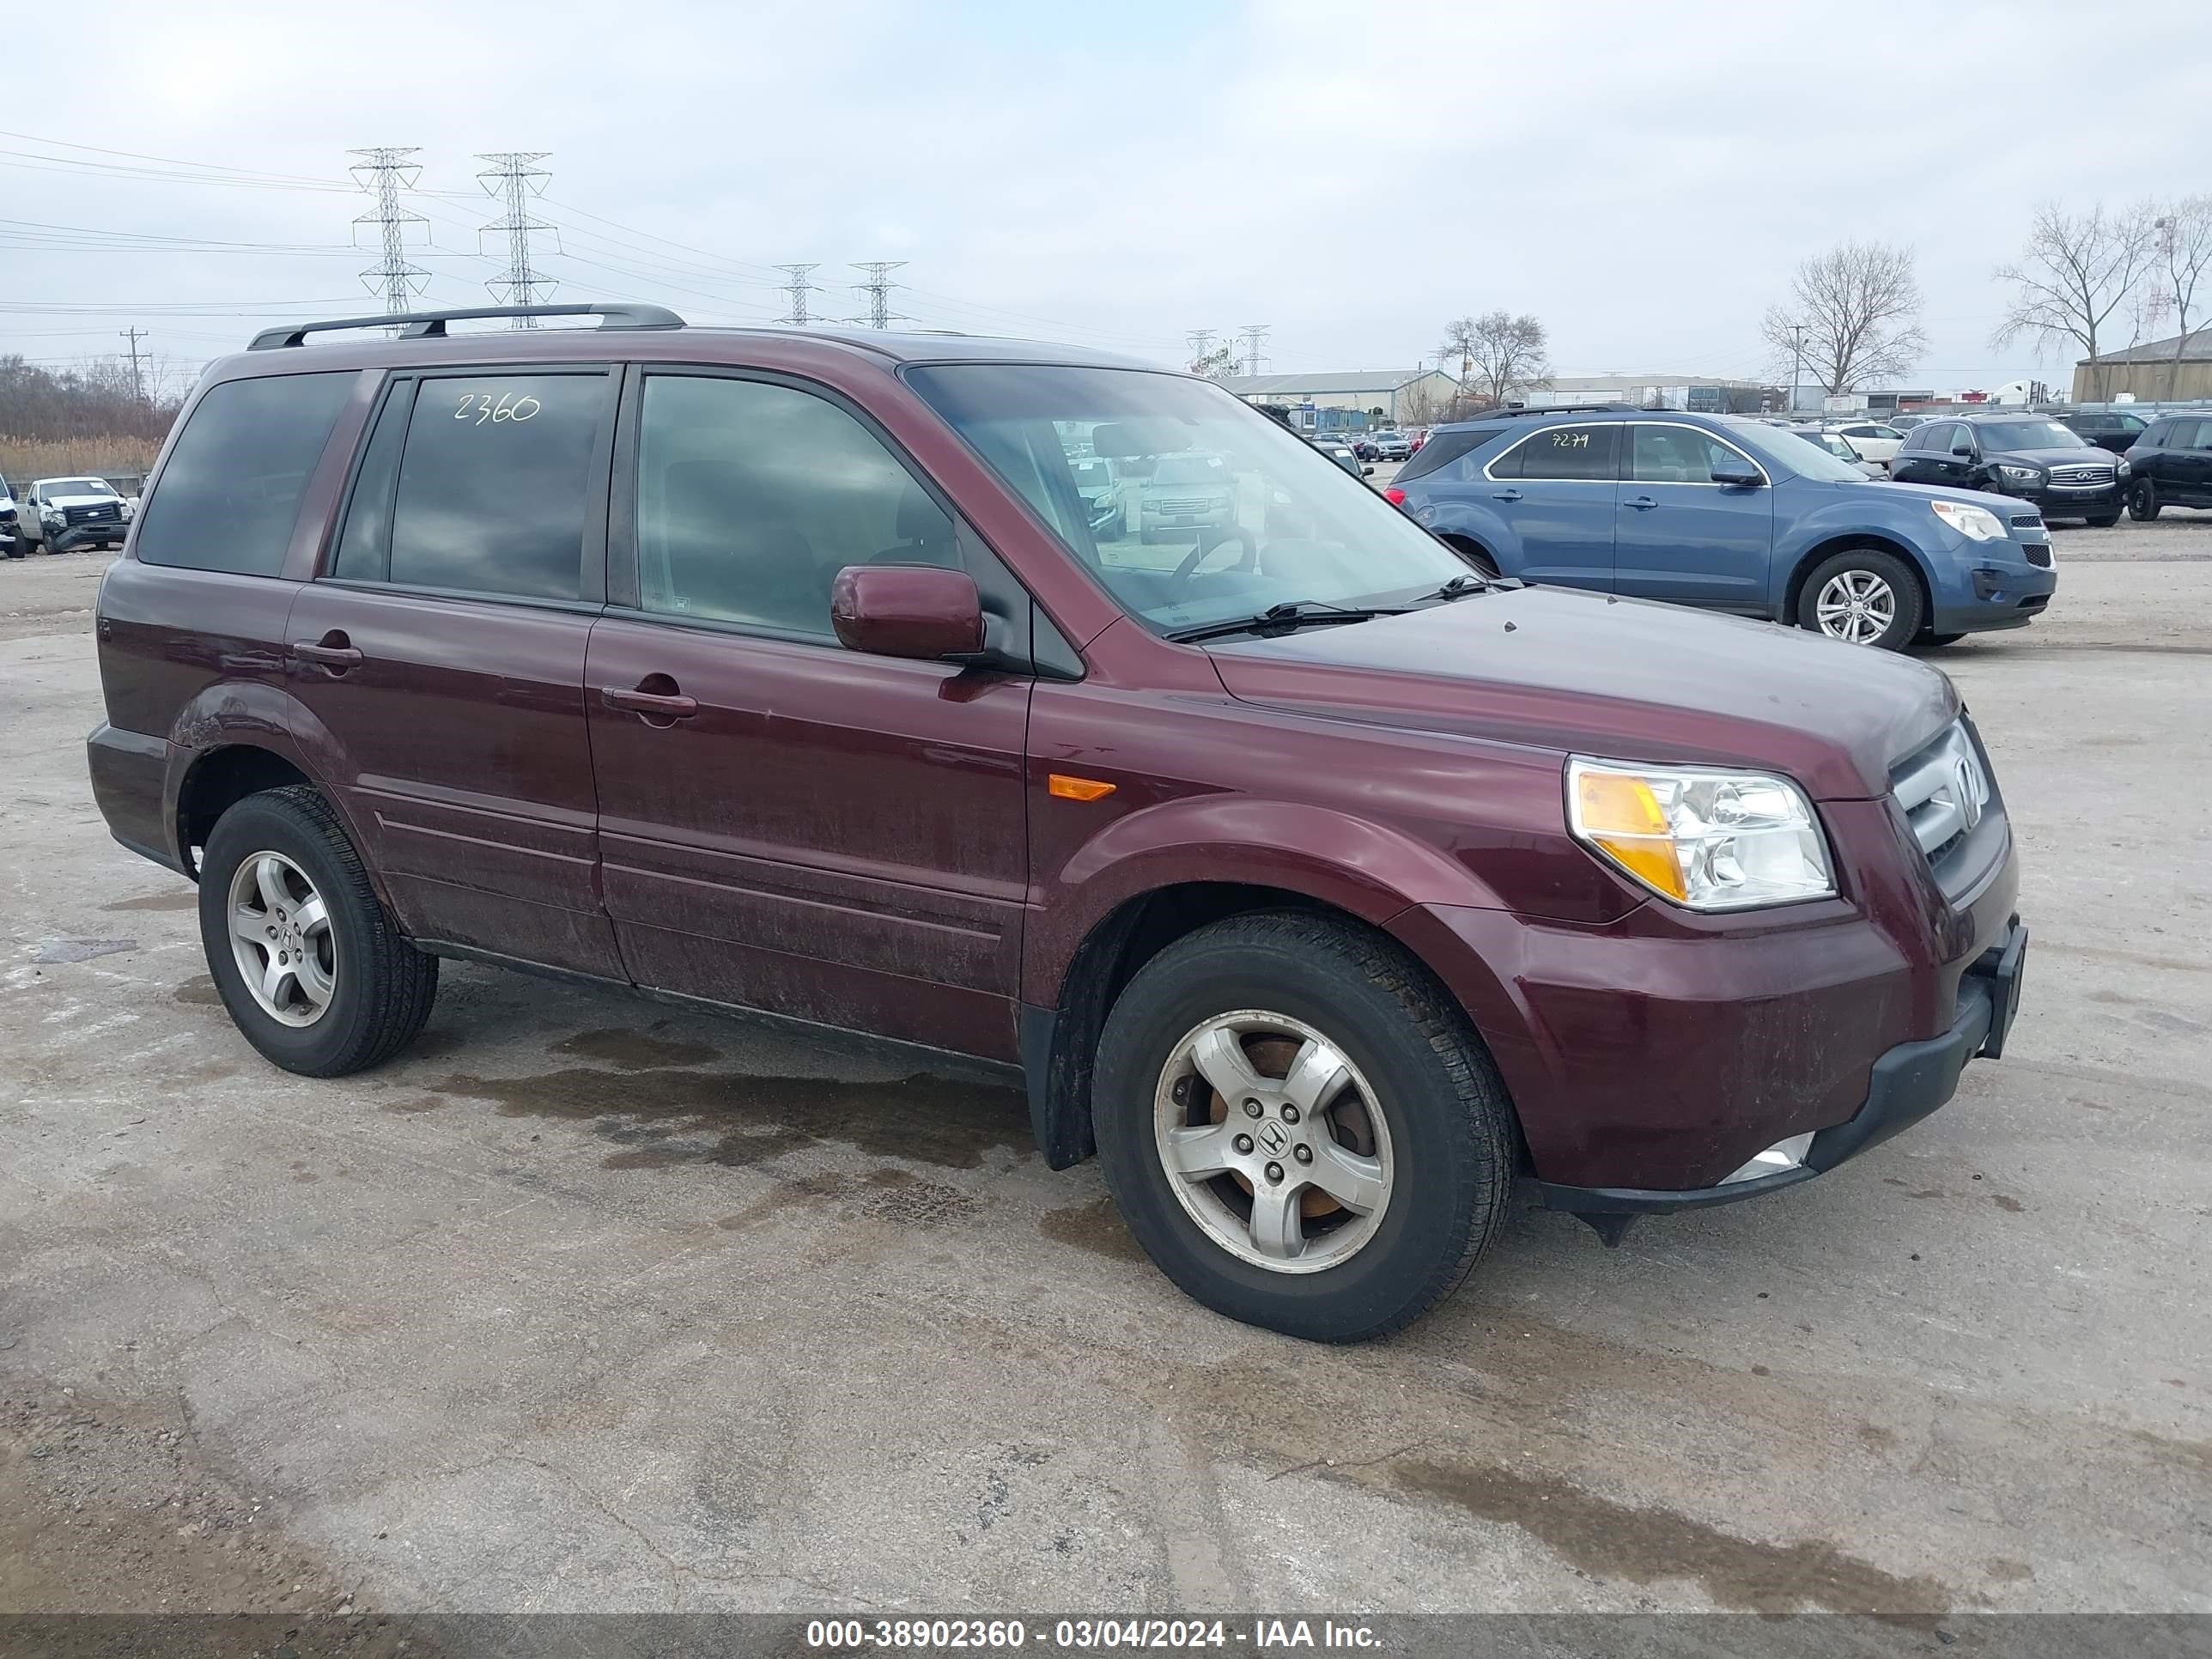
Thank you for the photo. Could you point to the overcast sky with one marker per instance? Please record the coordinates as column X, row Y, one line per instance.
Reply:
column 1641, row 177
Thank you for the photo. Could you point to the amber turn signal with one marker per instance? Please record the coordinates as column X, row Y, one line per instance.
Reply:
column 1074, row 788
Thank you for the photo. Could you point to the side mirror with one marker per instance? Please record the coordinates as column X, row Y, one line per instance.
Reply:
column 907, row 610
column 1734, row 470
column 1965, row 451
column 1366, row 471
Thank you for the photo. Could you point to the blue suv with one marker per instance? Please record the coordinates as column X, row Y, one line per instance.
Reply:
column 1729, row 513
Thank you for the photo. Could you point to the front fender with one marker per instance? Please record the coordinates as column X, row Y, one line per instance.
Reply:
column 1903, row 523
column 1365, row 869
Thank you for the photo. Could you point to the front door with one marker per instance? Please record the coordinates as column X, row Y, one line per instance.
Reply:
column 2188, row 463
column 786, row 825
column 1680, row 536
column 1556, row 489
column 439, row 660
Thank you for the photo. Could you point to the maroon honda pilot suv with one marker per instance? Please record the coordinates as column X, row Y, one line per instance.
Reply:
column 1020, row 704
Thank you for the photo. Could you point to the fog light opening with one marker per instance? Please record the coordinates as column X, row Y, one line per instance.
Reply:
column 1782, row 1156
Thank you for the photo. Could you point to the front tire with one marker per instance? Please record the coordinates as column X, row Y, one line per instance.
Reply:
column 1376, row 1170
column 2143, row 503
column 311, row 967
column 2103, row 521
column 1862, row 596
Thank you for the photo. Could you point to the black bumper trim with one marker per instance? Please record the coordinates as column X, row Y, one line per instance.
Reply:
column 1908, row 1083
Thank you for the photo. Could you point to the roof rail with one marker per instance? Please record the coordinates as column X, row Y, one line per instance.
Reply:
column 1522, row 411
column 431, row 325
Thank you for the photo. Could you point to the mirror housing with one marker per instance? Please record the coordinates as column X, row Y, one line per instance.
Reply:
column 1736, row 471
column 921, row 612
column 1964, row 451
column 1366, row 471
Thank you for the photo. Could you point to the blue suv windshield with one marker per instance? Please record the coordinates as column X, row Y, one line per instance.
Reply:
column 1786, row 449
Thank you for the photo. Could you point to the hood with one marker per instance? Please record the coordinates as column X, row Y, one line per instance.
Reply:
column 83, row 501
column 1618, row 679
column 2000, row 505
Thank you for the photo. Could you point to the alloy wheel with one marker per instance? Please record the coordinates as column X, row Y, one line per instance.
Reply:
column 1855, row 606
column 281, row 938
column 1272, row 1141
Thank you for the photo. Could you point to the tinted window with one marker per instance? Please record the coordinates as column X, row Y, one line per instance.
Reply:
column 1441, row 451
column 1569, row 452
column 364, row 552
column 231, row 489
column 2191, row 435
column 1676, row 454
column 493, row 478
column 752, row 498
column 1948, row 437
column 2031, row 434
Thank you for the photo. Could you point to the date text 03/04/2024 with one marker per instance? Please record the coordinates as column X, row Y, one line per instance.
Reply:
column 1259, row 1635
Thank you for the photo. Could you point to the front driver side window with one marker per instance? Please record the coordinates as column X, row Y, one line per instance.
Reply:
column 751, row 497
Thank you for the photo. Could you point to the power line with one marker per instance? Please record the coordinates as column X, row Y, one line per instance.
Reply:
column 389, row 171
column 878, row 288
column 515, row 176
column 1201, row 343
column 797, row 289
column 1255, row 335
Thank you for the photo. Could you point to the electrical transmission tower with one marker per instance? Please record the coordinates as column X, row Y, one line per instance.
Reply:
column 134, row 334
column 514, row 177
column 878, row 288
column 798, row 288
column 1201, row 344
column 385, row 173
column 1254, row 334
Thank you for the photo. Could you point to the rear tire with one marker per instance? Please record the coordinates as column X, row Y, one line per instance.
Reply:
column 2143, row 503
column 1862, row 596
column 1434, row 1175
column 278, row 860
column 1939, row 639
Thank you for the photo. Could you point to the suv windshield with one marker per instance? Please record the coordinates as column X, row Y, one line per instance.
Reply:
column 1280, row 525
column 1788, row 448
column 2030, row 435
column 79, row 487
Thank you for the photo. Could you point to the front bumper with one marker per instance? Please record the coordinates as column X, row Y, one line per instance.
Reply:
column 2058, row 502
column 1908, row 1083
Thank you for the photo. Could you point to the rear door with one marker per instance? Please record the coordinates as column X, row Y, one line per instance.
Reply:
column 809, row 830
column 2188, row 463
column 440, row 657
column 1680, row 536
column 1557, row 489
column 1946, row 465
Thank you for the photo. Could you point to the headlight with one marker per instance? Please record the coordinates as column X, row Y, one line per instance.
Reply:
column 1711, row 841
column 2021, row 474
column 2123, row 466
column 1976, row 523
column 50, row 514
column 129, row 512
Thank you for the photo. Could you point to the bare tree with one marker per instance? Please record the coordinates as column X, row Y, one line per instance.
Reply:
column 2076, row 271
column 1853, row 316
column 1500, row 353
column 1418, row 406
column 1216, row 365
column 2184, row 256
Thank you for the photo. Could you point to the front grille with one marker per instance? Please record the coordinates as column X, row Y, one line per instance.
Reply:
column 2092, row 474
column 2038, row 553
column 2026, row 520
column 1951, row 804
column 1178, row 505
column 74, row 515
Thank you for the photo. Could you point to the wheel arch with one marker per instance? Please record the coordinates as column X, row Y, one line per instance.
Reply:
column 1844, row 542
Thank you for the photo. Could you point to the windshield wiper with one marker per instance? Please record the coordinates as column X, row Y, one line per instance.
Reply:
column 1280, row 619
column 1458, row 588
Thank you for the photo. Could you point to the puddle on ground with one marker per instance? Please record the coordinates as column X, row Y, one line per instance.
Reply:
column 189, row 899
column 666, row 1117
column 1097, row 1227
column 889, row 1194
column 82, row 949
column 634, row 1051
column 199, row 993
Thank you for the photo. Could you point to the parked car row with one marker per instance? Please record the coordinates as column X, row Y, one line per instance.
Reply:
column 2030, row 457
column 1318, row 885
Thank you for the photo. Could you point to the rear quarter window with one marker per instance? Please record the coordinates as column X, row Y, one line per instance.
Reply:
column 230, row 494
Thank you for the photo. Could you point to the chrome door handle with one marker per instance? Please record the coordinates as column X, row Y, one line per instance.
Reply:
column 1642, row 503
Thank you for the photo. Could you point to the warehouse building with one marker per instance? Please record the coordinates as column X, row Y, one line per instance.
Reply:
column 2153, row 373
column 1703, row 393
column 1352, row 400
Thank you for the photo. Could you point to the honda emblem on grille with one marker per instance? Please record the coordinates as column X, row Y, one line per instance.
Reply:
column 1966, row 778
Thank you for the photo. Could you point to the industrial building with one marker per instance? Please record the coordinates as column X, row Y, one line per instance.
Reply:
column 1705, row 394
column 2153, row 373
column 1352, row 400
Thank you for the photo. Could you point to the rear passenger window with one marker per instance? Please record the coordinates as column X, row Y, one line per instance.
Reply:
column 752, row 497
column 492, row 487
column 1568, row 451
column 228, row 496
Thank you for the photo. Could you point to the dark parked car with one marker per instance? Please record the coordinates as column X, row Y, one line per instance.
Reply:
column 2030, row 457
column 1343, row 455
column 2171, row 464
column 1315, row 882
column 1729, row 513
column 2108, row 428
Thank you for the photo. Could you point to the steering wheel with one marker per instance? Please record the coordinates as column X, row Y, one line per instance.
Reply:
column 1197, row 556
